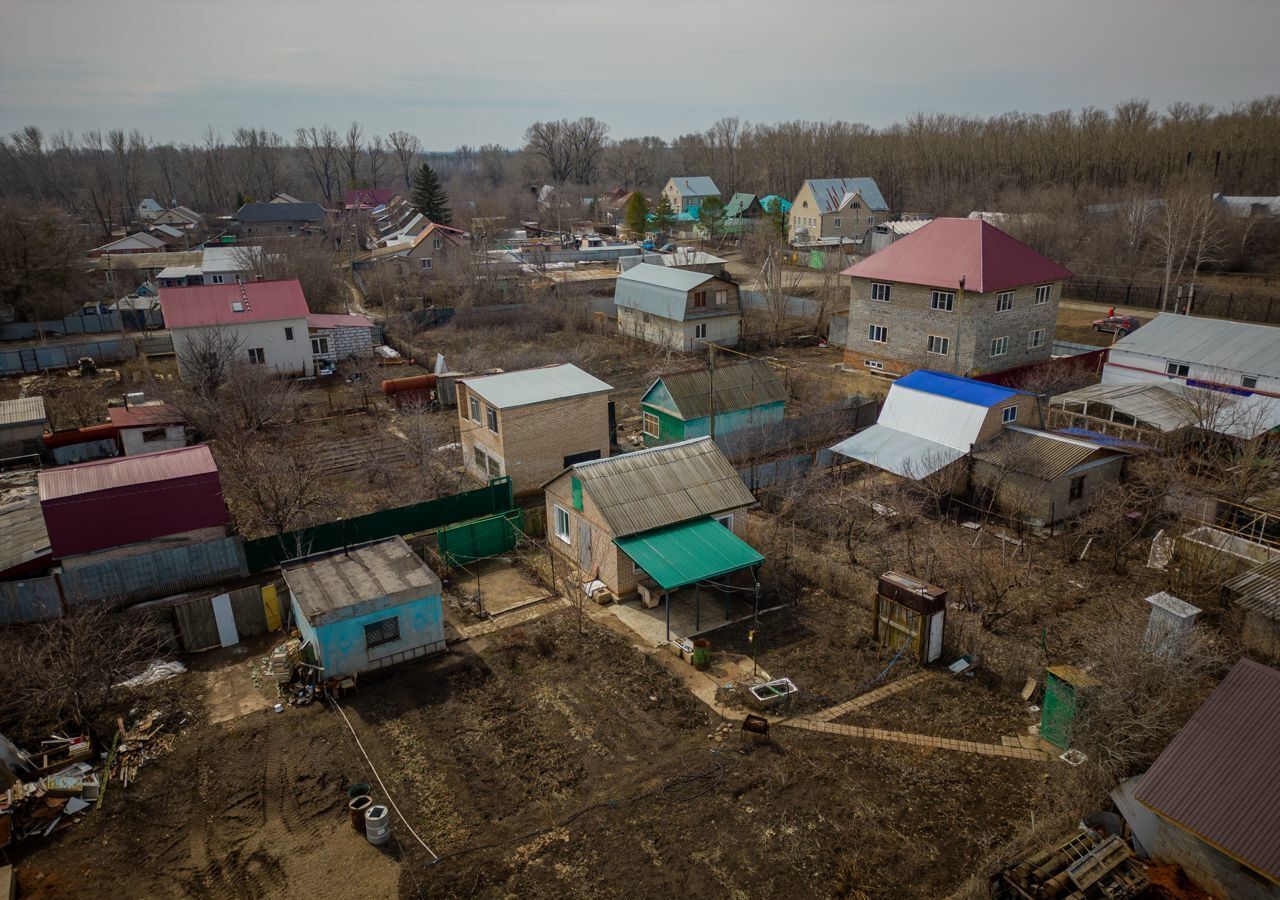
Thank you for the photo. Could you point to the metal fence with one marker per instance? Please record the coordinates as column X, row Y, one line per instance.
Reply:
column 1209, row 301
column 480, row 538
column 61, row 356
column 102, row 323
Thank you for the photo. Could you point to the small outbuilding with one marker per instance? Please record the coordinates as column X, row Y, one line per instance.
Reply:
column 148, row 427
column 22, row 422
column 681, row 405
column 1066, row 690
column 366, row 607
column 910, row 612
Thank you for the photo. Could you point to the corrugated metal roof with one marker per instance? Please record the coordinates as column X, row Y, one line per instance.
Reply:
column 695, row 186
column 23, row 536
column 956, row 387
column 741, row 386
column 205, row 305
column 664, row 276
column 944, row 250
column 688, row 552
column 898, row 452
column 106, row 474
column 767, row 203
column 1238, row 346
column 1258, row 589
column 158, row 261
column 1171, row 406
column 662, row 485
column 657, row 290
column 146, row 414
column 22, row 411
column 1219, row 778
column 943, row 420
column 738, row 204
column 327, row 583
column 529, row 386
column 1038, row 453
column 338, row 320
column 834, row 193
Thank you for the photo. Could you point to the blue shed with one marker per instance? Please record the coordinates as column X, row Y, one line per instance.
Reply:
column 367, row 606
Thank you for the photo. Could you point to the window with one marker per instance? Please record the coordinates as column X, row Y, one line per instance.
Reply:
column 562, row 524
column 726, row 520
column 481, row 459
column 880, row 291
column 257, row 356
column 837, row 223
column 425, row 262
column 1035, row 339
column 151, row 435
column 436, row 244
column 700, row 331
column 475, row 410
column 384, row 631
column 999, row 346
column 877, row 334
column 1004, row 301
column 1077, row 488
column 805, row 204
column 943, row 300
column 644, row 317
column 650, row 424
column 491, row 417
column 699, row 299
column 1043, row 293
column 1009, row 414
column 938, row 345
column 873, row 364
column 237, row 306
column 319, row 346
column 855, row 205
column 1249, row 382
column 1179, row 370
column 722, row 298
column 288, row 334
column 871, row 221
column 215, row 279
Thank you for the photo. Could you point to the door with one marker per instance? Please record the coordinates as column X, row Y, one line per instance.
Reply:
column 584, row 545
column 226, row 620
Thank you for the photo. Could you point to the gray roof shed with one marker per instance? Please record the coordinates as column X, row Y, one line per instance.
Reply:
column 742, row 386
column 657, row 290
column 508, row 390
column 1238, row 346
column 22, row 411
column 340, row 584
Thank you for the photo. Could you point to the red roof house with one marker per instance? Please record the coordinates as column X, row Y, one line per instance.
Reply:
column 368, row 198
column 205, row 305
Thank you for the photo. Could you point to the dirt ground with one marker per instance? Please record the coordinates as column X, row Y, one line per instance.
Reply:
column 480, row 750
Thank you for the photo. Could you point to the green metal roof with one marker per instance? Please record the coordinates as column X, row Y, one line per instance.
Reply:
column 688, row 552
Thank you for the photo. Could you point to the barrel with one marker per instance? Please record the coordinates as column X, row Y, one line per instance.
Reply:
column 377, row 825
column 357, row 790
column 357, row 807
column 701, row 653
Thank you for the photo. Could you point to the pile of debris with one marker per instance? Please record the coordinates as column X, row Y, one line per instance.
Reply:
column 144, row 740
column 1087, row 865
column 47, row 790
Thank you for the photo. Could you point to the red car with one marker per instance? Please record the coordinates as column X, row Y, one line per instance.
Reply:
column 1120, row 325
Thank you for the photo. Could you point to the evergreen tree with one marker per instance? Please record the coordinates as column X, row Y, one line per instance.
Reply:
column 637, row 215
column 712, row 217
column 428, row 196
column 663, row 216
column 776, row 217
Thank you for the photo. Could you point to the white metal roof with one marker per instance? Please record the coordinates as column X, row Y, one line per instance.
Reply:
column 1172, row 406
column 695, row 186
column 664, row 277
column 897, row 451
column 942, row 420
column 1238, row 346
column 512, row 389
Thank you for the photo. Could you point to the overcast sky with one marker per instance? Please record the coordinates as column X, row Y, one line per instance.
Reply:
column 459, row 72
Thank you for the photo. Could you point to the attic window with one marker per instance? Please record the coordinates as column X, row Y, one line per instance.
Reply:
column 237, row 306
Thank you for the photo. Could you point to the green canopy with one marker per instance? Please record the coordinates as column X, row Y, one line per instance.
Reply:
column 688, row 552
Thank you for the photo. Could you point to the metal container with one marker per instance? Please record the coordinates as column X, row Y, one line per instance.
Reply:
column 701, row 653
column 357, row 807
column 377, row 825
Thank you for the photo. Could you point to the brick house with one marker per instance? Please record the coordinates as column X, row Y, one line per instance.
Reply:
column 677, row 308
column 836, row 209
column 957, row 295
column 592, row 507
column 686, row 192
column 529, row 425
column 335, row 337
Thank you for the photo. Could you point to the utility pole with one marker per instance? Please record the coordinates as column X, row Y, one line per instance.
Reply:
column 711, row 380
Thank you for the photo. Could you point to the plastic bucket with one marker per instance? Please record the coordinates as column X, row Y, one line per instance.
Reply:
column 358, row 790
column 701, row 653
column 357, row 807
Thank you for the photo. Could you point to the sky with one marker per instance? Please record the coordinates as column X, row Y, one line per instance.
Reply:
column 480, row 72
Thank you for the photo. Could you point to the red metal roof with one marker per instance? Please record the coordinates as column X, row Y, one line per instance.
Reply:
column 216, row 304
column 1220, row 777
column 332, row 320
column 128, row 471
column 149, row 414
column 368, row 198
column 938, row 254
column 73, row 436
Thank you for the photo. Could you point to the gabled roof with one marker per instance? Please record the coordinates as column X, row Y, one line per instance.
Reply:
column 835, row 193
column 1219, row 778
column 325, row 584
column 744, row 385
column 695, row 186
column 207, row 305
column 944, row 250
column 150, row 204
column 662, row 485
column 509, row 390
column 1238, row 346
column 167, row 230
column 1039, row 454
column 338, row 320
column 138, row 241
column 738, row 204
column 183, row 212
column 438, row 230
column 368, row 198
column 658, row 290
column 125, row 471
column 766, row 203
column 955, row 387
column 277, row 211
column 144, row 415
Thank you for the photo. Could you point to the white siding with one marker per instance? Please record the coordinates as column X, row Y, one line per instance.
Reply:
column 283, row 356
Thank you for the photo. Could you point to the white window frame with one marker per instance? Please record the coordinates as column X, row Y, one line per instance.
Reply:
column 1004, row 301
column 425, row 262
column 942, row 301
column 837, row 223
column 1249, row 382
column 436, row 244
column 473, row 405
column 319, row 346
column 873, row 364
column 700, row 331
column 871, row 221
column 1009, row 414
column 1035, row 339
column 567, row 534
column 1044, row 293
column 1000, row 346
column 722, row 298
column 881, row 291
column 882, row 330
column 257, row 356
column 943, row 342
column 645, row 418
column 1177, row 369
column 726, row 520
column 215, row 279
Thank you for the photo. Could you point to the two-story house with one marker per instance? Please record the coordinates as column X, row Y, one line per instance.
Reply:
column 677, row 308
column 958, row 295
column 686, row 192
column 834, row 210
column 531, row 424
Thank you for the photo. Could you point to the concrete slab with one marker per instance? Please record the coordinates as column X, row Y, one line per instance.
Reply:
column 690, row 615
column 503, row 585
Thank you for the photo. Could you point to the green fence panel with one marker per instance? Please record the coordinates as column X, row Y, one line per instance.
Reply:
column 268, row 552
column 482, row 538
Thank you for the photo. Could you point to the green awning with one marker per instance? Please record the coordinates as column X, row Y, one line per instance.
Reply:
column 688, row 552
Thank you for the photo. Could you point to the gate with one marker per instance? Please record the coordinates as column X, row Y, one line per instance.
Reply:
column 480, row 538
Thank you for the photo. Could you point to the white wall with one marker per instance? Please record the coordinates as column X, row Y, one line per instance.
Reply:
column 282, row 356
column 175, row 437
column 1126, row 367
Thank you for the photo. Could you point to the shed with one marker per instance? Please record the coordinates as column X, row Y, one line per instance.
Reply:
column 22, row 422
column 681, row 405
column 1066, row 690
column 910, row 613
column 1171, row 620
column 366, row 607
column 148, row 427
column 112, row 502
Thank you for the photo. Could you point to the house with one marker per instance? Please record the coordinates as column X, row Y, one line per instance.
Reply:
column 1240, row 358
column 149, row 209
column 930, row 420
column 681, row 405
column 742, row 213
column 182, row 217
column 677, row 308
column 688, row 192
column 335, row 337
column 280, row 218
column 148, row 427
column 368, row 198
column 129, row 504
column 420, row 254
column 1211, row 801
column 263, row 322
column 529, row 425
column 772, row 204
column 835, row 210
column 886, row 233
column 139, row 242
column 217, row 265
column 171, row 235
column 648, row 515
column 22, row 423
column 1249, row 207
column 366, row 607
column 1040, row 477
column 958, row 295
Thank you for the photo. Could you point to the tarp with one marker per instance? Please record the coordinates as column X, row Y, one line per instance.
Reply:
column 688, row 552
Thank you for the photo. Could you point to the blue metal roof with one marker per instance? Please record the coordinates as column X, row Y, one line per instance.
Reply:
column 695, row 186
column 830, row 192
column 956, row 387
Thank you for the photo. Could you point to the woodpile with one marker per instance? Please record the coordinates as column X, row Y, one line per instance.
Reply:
column 144, row 740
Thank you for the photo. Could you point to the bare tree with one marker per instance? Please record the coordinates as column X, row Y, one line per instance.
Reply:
column 319, row 148
column 569, row 151
column 407, row 150
column 349, row 152
column 207, row 358
column 377, row 154
column 271, row 487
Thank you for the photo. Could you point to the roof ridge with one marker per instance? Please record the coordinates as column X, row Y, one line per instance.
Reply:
column 605, row 459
